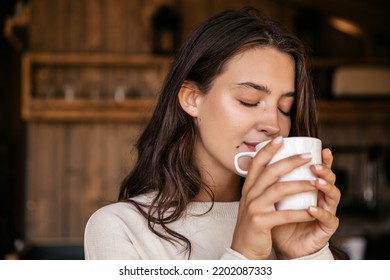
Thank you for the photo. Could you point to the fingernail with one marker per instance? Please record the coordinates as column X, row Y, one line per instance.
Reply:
column 306, row 156
column 322, row 181
column 318, row 167
column 312, row 209
column 277, row 140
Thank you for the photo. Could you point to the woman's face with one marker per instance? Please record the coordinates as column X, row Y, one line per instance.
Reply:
column 248, row 103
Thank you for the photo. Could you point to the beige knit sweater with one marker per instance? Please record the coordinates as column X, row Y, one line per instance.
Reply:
column 119, row 232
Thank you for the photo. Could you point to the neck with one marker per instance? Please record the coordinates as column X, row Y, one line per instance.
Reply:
column 225, row 188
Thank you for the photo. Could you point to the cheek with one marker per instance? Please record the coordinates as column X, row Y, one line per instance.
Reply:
column 220, row 127
column 221, row 113
column 285, row 126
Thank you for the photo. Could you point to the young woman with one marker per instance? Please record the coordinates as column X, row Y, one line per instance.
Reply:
column 237, row 80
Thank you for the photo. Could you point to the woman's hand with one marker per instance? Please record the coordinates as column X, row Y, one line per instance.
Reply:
column 293, row 233
column 257, row 216
column 297, row 240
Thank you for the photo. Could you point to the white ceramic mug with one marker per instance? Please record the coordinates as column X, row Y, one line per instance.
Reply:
column 292, row 146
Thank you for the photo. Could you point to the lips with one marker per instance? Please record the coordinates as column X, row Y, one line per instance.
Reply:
column 251, row 145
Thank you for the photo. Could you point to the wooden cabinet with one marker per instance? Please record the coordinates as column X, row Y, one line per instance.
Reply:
column 354, row 111
column 348, row 110
column 100, row 87
column 84, row 113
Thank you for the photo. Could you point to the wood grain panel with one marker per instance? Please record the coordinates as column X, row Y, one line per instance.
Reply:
column 73, row 169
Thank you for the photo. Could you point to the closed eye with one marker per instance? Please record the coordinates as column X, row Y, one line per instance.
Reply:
column 284, row 113
column 253, row 105
column 246, row 104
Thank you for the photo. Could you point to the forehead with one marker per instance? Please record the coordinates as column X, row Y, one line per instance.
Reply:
column 253, row 55
column 260, row 64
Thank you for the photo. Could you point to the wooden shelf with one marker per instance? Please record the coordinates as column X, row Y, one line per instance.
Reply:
column 136, row 108
column 139, row 108
column 354, row 110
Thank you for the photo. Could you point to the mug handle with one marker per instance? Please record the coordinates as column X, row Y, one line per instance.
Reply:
column 237, row 157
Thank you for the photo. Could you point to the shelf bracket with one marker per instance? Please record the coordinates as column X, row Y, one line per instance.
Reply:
column 19, row 20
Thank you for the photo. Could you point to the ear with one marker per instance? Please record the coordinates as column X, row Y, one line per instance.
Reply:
column 189, row 96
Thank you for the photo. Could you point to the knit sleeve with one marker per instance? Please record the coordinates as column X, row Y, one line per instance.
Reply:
column 323, row 254
column 230, row 254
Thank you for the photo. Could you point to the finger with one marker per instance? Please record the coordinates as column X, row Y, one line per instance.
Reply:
column 262, row 158
column 327, row 157
column 279, row 218
column 273, row 172
column 323, row 171
column 281, row 190
column 328, row 222
column 330, row 193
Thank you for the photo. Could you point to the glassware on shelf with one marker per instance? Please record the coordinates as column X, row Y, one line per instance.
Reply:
column 120, row 94
column 118, row 86
column 70, row 84
column 45, row 86
column 69, row 92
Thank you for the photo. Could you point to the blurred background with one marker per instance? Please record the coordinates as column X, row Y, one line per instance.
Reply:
column 78, row 81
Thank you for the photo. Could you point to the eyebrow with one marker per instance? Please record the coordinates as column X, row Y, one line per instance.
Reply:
column 263, row 88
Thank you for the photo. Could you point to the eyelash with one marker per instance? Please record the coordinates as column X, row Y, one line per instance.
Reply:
column 287, row 114
column 250, row 105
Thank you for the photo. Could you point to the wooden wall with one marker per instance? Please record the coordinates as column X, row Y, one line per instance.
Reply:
column 123, row 26
column 73, row 168
column 116, row 26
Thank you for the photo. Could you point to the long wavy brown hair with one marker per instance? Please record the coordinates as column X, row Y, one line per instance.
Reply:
column 165, row 164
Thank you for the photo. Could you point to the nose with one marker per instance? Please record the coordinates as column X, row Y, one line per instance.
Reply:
column 269, row 122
